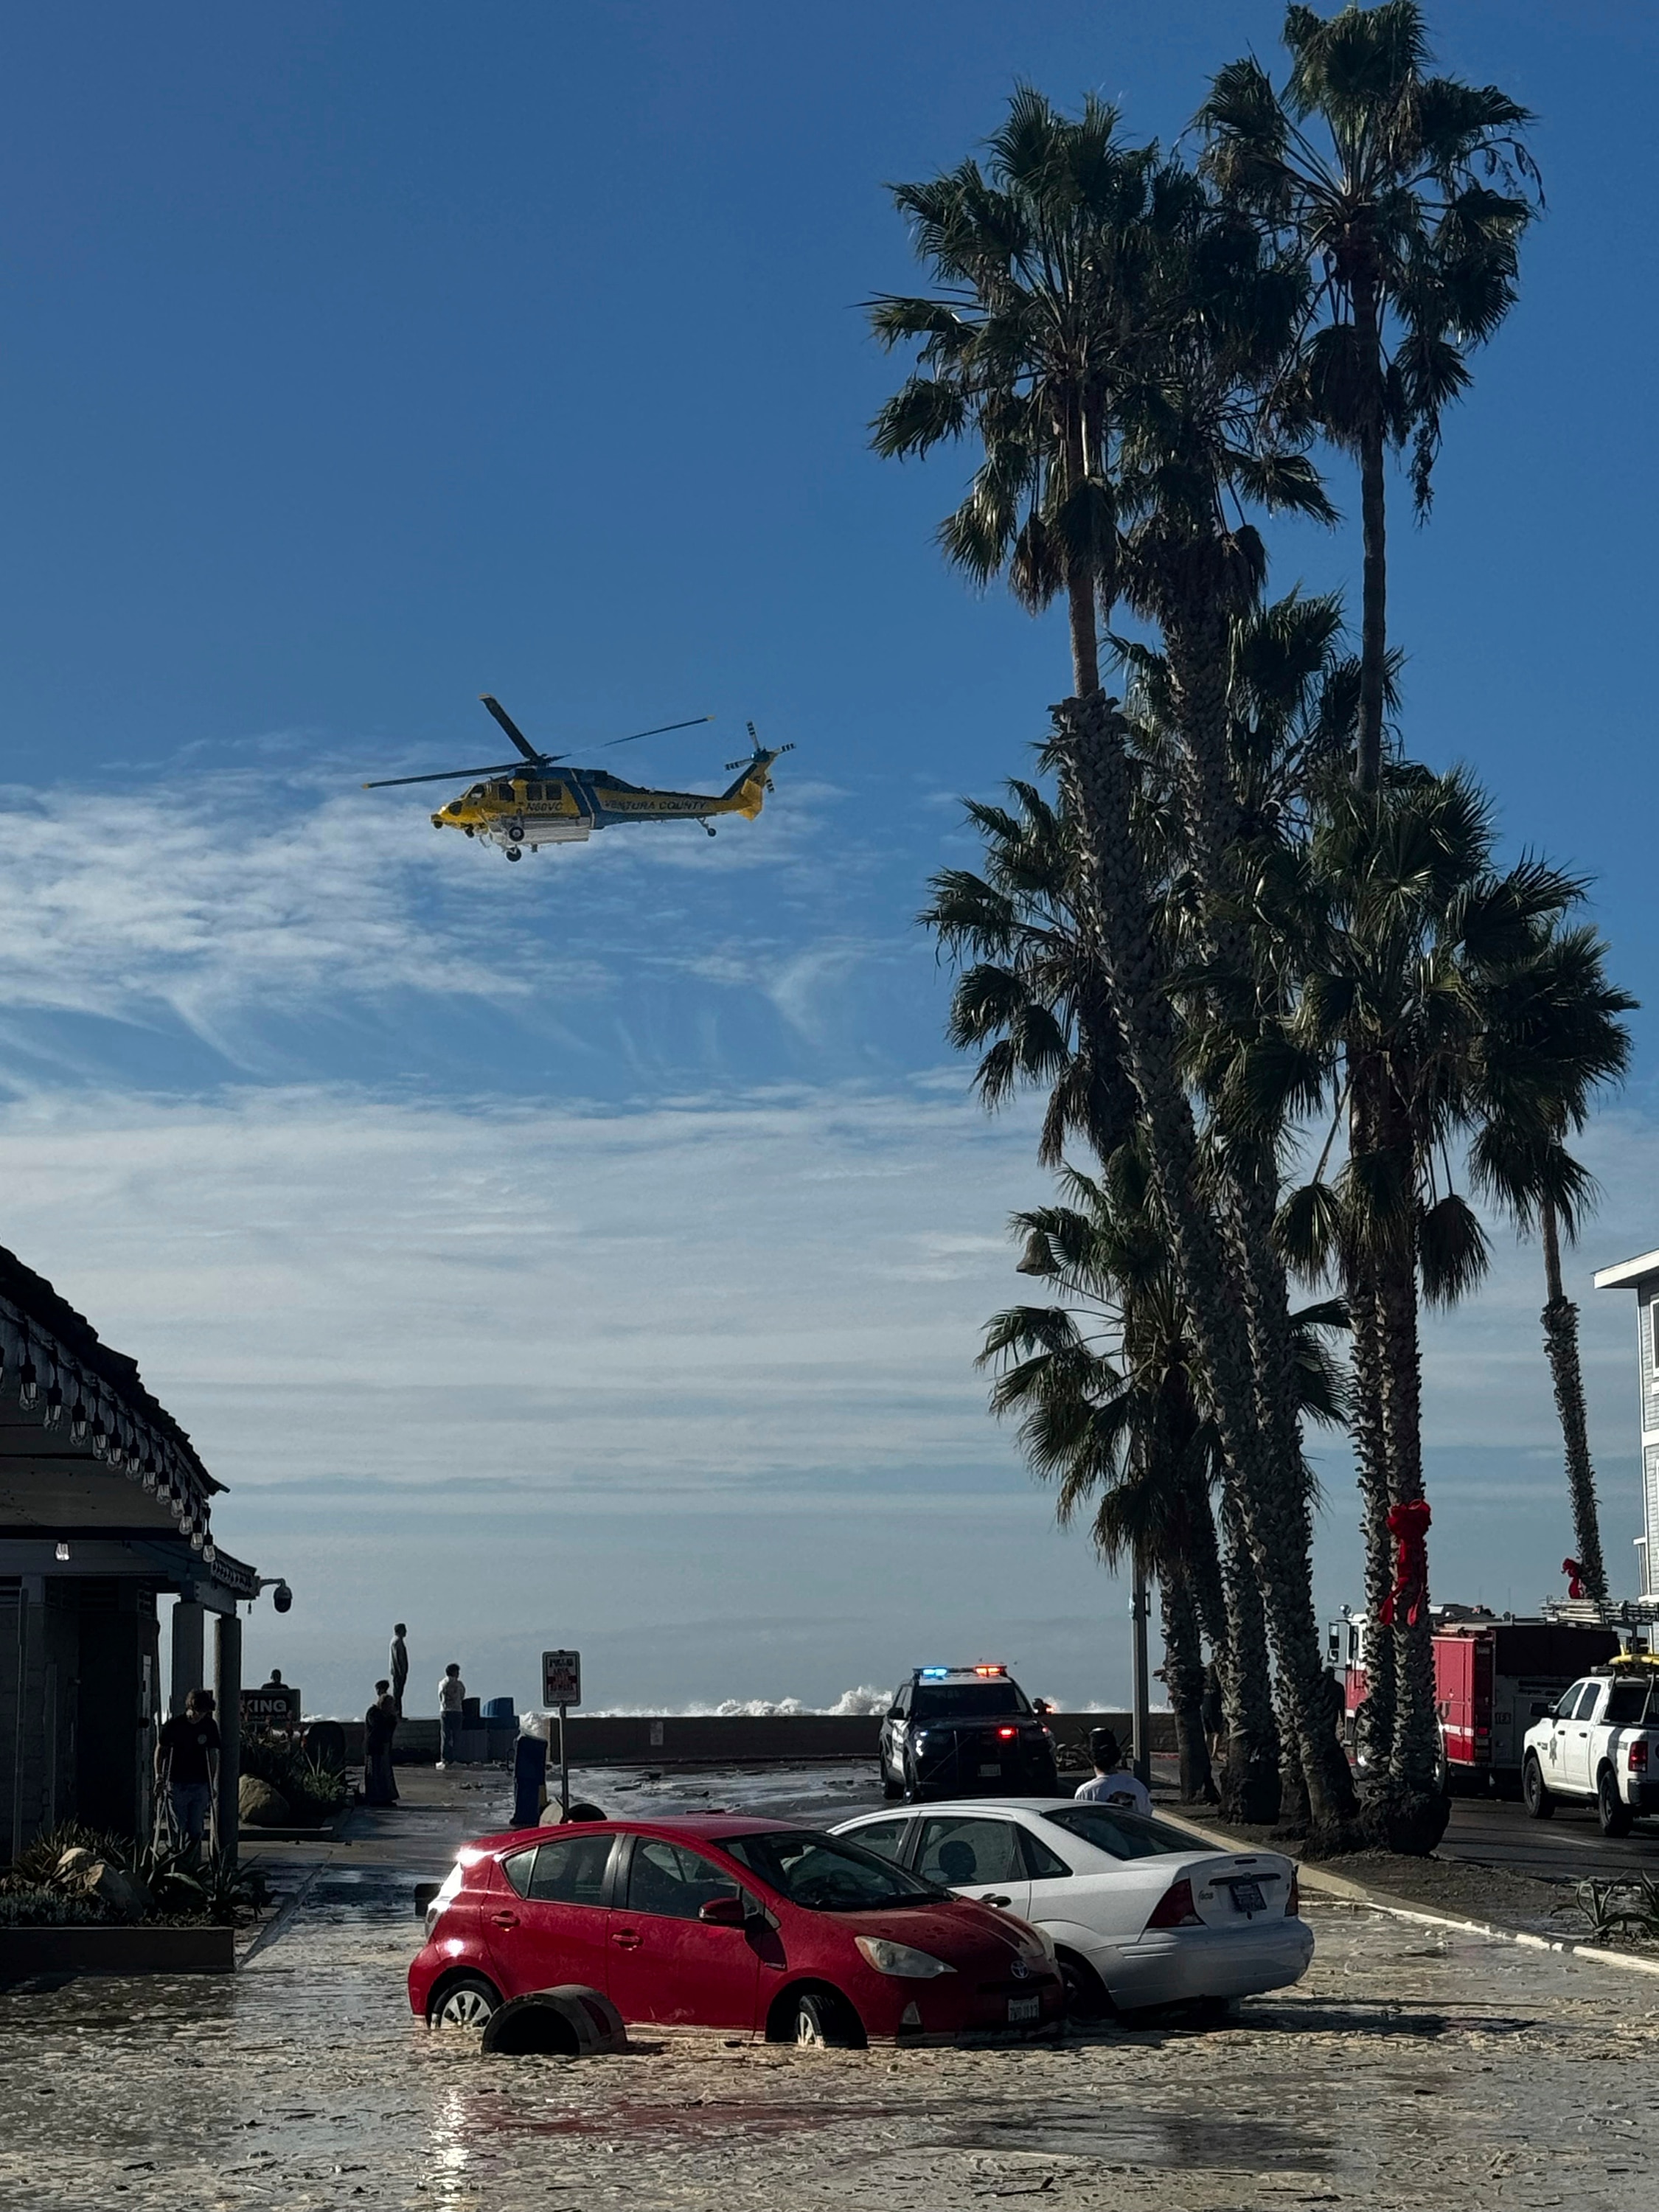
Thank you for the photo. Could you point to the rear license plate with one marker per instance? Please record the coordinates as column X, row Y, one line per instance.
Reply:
column 995, row 1766
column 1020, row 2008
column 1247, row 1898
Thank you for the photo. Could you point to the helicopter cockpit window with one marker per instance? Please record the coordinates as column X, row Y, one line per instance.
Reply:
column 504, row 791
column 476, row 792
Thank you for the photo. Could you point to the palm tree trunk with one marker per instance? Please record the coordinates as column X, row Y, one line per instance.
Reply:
column 1249, row 1774
column 1198, row 643
column 1292, row 1776
column 1117, row 908
column 1560, row 1319
column 1375, row 1731
column 1407, row 1811
column 1184, row 1678
column 1373, row 513
column 1085, row 641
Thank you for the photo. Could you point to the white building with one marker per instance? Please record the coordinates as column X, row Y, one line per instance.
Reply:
column 1641, row 1276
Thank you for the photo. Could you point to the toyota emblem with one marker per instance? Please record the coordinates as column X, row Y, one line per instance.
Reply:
column 1020, row 1970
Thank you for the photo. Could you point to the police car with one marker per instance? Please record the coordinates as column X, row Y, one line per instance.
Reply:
column 965, row 1732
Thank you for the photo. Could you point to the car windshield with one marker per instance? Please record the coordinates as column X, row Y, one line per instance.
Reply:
column 967, row 1701
column 827, row 1874
column 1121, row 1835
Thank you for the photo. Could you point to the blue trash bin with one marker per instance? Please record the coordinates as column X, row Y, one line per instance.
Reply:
column 529, row 1776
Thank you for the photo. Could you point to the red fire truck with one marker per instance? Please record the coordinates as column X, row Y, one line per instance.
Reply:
column 1494, row 1675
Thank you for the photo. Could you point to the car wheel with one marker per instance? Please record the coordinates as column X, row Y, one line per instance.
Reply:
column 1540, row 1803
column 1611, row 1809
column 1087, row 1997
column 467, row 2002
column 820, row 2020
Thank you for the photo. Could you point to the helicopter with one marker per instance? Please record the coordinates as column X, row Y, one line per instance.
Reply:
column 519, row 803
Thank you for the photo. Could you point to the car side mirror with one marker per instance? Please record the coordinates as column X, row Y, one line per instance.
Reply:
column 724, row 1913
column 894, row 1714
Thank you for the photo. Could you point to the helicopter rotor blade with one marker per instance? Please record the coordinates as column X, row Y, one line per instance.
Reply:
column 696, row 722
column 445, row 774
column 495, row 707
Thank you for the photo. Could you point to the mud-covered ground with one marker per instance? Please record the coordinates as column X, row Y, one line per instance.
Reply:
column 1413, row 2067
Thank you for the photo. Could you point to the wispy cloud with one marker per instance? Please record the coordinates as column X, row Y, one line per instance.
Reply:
column 269, row 913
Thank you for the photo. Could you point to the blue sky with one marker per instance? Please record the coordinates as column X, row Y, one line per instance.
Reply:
column 593, row 1252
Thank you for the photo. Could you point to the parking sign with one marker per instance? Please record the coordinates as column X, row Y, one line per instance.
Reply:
column 562, row 1678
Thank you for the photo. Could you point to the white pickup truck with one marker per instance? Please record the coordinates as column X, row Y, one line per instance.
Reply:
column 1600, row 1745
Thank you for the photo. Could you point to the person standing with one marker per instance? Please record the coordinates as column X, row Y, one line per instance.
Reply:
column 187, row 1767
column 452, row 1696
column 1113, row 1782
column 379, row 1726
column 397, row 1666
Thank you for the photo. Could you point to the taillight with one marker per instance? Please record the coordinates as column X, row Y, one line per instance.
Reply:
column 1638, row 1755
column 1176, row 1908
column 1007, row 1735
column 1293, row 1902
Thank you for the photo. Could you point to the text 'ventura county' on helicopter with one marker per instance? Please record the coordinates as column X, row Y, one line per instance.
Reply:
column 519, row 804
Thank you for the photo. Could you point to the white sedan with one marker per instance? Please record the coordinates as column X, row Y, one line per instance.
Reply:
column 1139, row 1912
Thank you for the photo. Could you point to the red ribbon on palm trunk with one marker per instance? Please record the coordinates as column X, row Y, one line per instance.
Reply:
column 1409, row 1525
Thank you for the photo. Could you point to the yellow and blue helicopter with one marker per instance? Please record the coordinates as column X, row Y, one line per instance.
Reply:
column 519, row 804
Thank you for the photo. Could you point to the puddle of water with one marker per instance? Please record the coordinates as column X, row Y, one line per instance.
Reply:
column 1175, row 2139
column 691, row 2115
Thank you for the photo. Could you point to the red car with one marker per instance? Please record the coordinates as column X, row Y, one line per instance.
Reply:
column 728, row 1923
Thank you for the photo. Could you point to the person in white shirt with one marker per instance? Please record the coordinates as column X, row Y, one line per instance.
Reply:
column 451, row 1695
column 1113, row 1782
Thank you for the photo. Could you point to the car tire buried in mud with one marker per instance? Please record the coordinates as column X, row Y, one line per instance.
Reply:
column 1541, row 1805
column 570, row 2022
column 821, row 2020
column 467, row 2002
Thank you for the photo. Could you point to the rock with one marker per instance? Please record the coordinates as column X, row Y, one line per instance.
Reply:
column 261, row 1806
column 124, row 1893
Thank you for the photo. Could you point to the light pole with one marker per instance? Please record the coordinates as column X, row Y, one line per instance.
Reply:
column 1142, row 1693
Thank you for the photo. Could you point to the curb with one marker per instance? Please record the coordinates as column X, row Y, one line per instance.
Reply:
column 1314, row 1877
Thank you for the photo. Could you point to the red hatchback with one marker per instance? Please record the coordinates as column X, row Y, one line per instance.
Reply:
column 728, row 1923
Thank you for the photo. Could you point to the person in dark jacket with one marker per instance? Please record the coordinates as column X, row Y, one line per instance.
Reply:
column 379, row 1726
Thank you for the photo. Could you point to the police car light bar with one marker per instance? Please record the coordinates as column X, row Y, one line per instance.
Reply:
column 931, row 1673
column 997, row 1669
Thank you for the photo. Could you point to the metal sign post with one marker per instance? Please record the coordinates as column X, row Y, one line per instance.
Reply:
column 562, row 1685
column 1139, row 1608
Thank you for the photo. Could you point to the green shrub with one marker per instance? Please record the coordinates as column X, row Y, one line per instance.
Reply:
column 31, row 1907
column 314, row 1792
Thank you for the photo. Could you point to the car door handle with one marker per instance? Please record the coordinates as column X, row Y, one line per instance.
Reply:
column 992, row 1897
column 504, row 1919
column 626, row 1940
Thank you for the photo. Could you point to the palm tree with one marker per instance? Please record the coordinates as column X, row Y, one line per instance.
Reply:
column 1113, row 1406
column 1427, row 966
column 1556, row 1037
column 1029, row 999
column 1032, row 347
column 1407, row 194
column 1040, row 319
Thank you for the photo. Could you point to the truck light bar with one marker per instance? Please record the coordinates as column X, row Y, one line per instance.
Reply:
column 997, row 1669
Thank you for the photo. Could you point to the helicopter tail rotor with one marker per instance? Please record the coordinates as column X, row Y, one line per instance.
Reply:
column 761, row 751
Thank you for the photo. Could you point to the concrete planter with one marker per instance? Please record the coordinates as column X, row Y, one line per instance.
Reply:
column 26, row 1952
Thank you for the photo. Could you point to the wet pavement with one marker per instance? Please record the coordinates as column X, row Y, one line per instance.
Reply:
column 1413, row 2068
